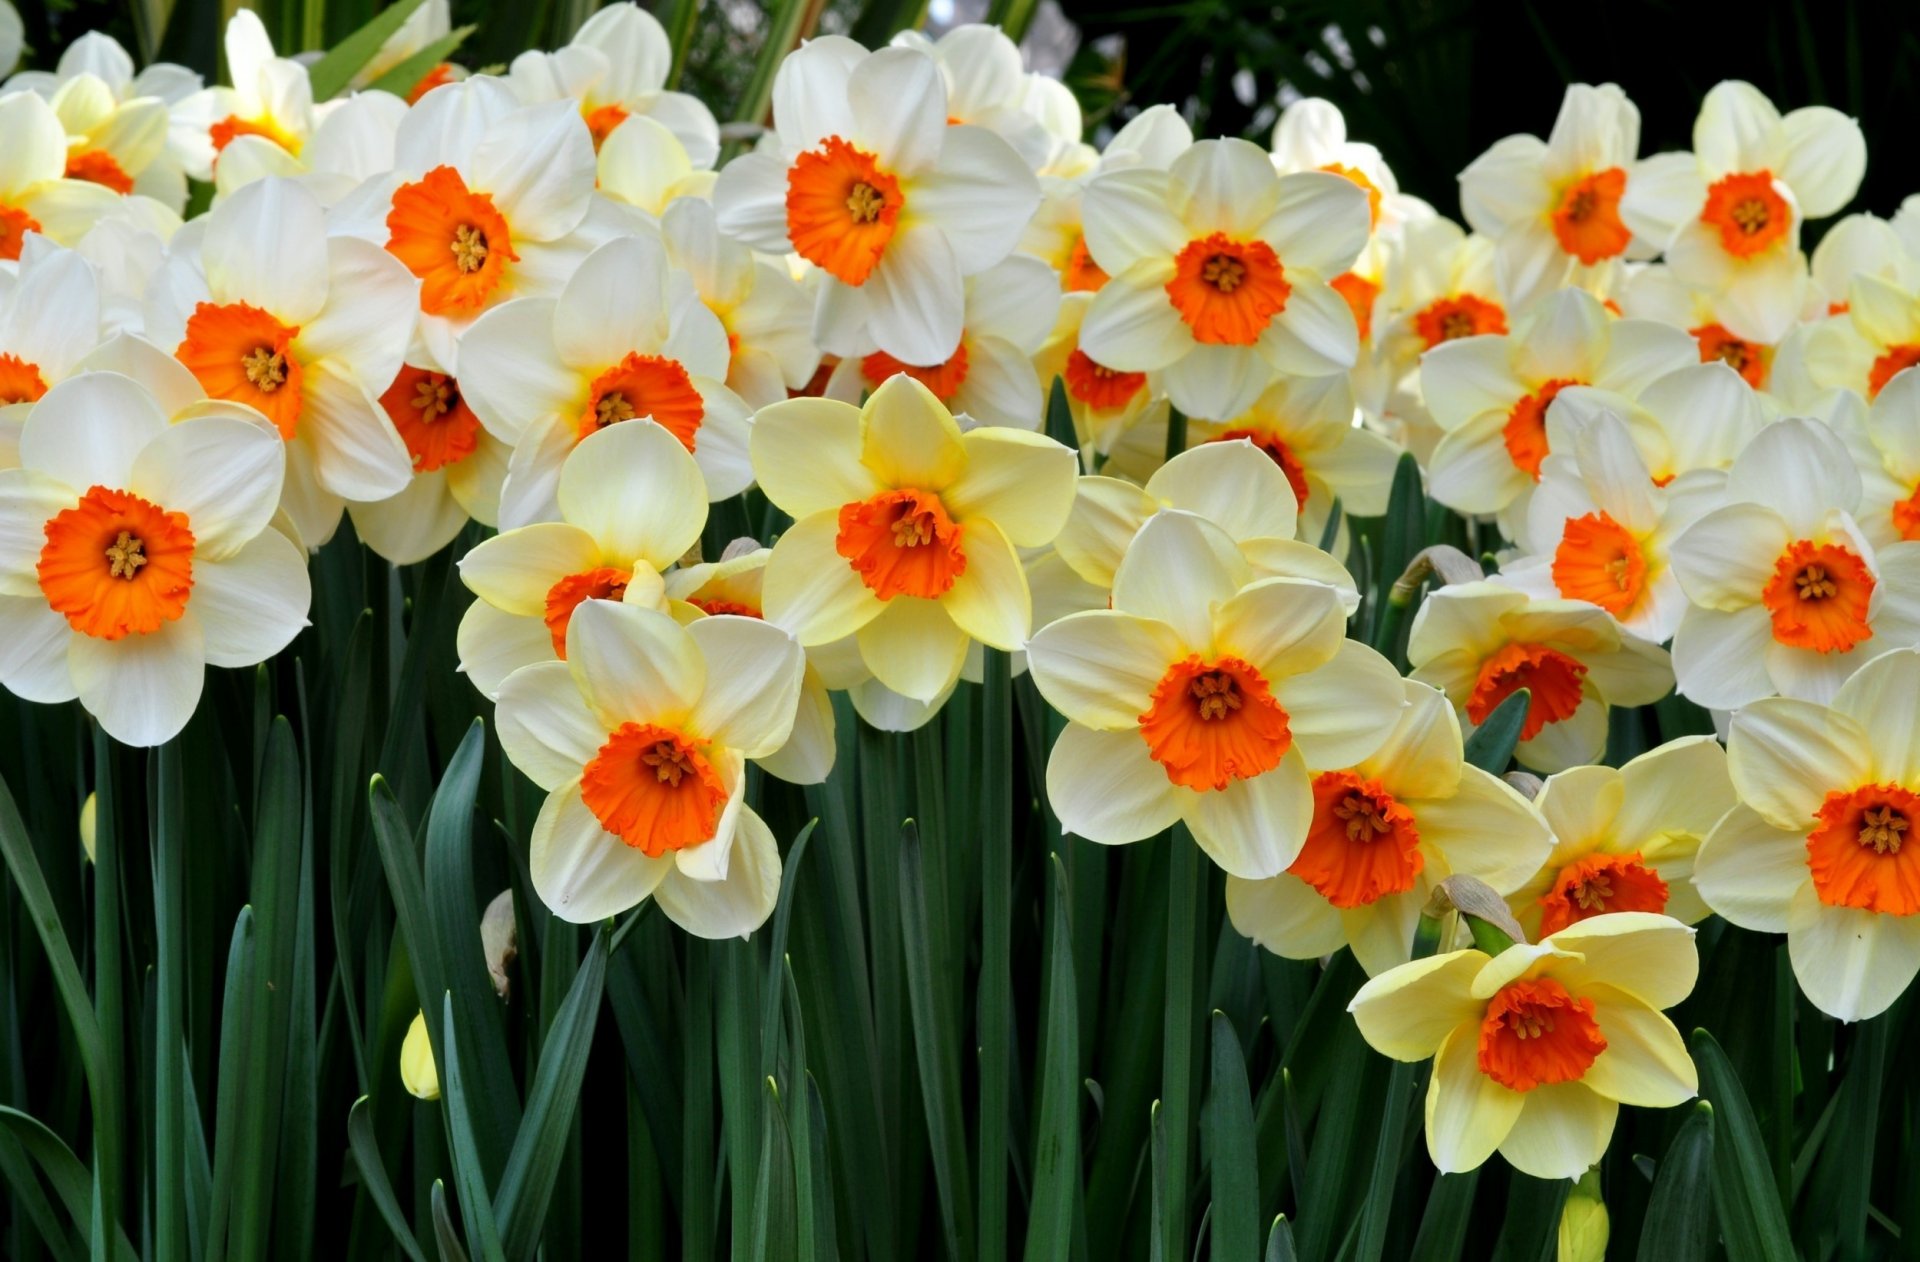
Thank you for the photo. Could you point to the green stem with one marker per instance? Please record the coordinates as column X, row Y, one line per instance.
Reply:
column 1178, row 1033
column 1176, row 431
column 109, row 1107
column 996, row 948
column 169, row 924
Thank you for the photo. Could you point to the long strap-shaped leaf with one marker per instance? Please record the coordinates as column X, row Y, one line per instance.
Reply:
column 71, row 1181
column 32, row 883
column 331, row 74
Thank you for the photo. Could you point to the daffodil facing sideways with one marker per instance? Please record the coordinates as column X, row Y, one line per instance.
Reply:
column 630, row 504
column 134, row 552
column 1482, row 642
column 905, row 529
column 36, row 193
column 1219, row 273
column 50, row 317
column 270, row 102
column 1785, row 593
column 868, row 182
column 1205, row 694
column 1536, row 1048
column 1625, row 839
column 458, row 469
column 1820, row 845
column 1385, row 831
column 640, row 739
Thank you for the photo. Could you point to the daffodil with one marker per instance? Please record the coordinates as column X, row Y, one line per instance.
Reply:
column 271, row 100
column 36, row 194
column 868, row 183
column 1153, row 138
column 643, row 164
column 1886, row 447
column 1106, row 404
column 1728, row 214
column 352, row 143
column 1818, row 846
column 766, row 315
column 458, row 469
column 905, row 529
column 1625, row 839
column 136, row 553
column 627, row 337
column 986, row 80
column 49, row 319
column 271, row 312
column 1386, row 830
column 1482, row 642
column 1553, row 207
column 1535, row 1049
column 1204, row 695
column 1442, row 288
column 1219, row 270
column 1785, row 593
column 640, row 739
column 1655, row 292
column 630, row 504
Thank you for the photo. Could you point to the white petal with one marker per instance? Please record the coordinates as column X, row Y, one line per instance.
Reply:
column 251, row 602
column 740, row 903
column 582, row 872
column 1177, row 569
column 914, row 647
column 1825, row 159
column 224, row 474
column 915, row 296
column 980, row 197
column 1748, row 870
column 1563, row 1128
column 633, row 664
column 371, row 299
column 87, row 430
column 266, row 245
column 1343, row 711
column 753, row 684
column 1254, row 828
column 1100, row 668
column 33, row 650
column 1786, row 756
column 1105, row 787
column 537, row 164
column 1851, row 963
column 899, row 102
column 1131, row 326
column 142, row 688
column 545, row 726
column 357, row 452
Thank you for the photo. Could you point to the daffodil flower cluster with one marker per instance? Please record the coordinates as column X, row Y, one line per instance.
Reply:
column 1687, row 450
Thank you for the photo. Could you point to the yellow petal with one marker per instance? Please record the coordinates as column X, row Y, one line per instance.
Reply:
column 1022, row 482
column 811, row 590
column 1468, row 1114
column 1407, row 1012
column 1646, row 1061
column 1562, row 1129
column 989, row 600
column 908, row 438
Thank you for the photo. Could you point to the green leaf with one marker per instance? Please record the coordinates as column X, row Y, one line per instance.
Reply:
column 476, row 1207
column 1280, row 1242
column 109, row 997
column 1679, row 1222
column 373, row 1177
column 405, row 75
column 1059, row 426
column 934, row 1049
column 1056, row 1159
column 1231, row 1155
column 169, row 1056
column 71, row 1181
column 1443, row 1228
column 995, row 987
column 1752, row 1221
column 527, row 1185
column 785, row 30
column 1387, row 1154
column 331, row 74
column 1180, row 1033
column 773, row 1199
column 24, row 863
column 237, row 1034
column 1490, row 748
column 443, row 1233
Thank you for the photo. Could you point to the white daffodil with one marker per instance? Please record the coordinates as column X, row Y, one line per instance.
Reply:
column 36, row 194
column 767, row 316
column 50, row 318
column 459, row 469
column 271, row 100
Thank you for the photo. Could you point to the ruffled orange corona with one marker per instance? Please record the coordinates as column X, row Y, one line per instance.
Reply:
column 223, row 132
column 1597, row 884
column 646, row 385
column 452, row 239
column 841, row 209
column 436, row 424
column 1278, row 452
column 1747, row 212
column 1819, row 596
column 1859, row 854
column 97, row 166
column 1906, row 512
column 1553, row 680
column 1211, row 723
column 944, row 378
column 1896, row 359
column 602, row 121
column 1228, row 291
column 15, row 224
column 653, row 789
column 1098, row 386
column 20, row 381
column 1359, row 293
column 1749, row 359
column 1534, row 1033
column 1599, row 562
column 1448, row 319
column 117, row 565
column 1587, row 220
column 713, row 606
column 603, row 583
column 1525, row 432
column 1363, row 844
column 239, row 352
column 1082, row 275
column 902, row 543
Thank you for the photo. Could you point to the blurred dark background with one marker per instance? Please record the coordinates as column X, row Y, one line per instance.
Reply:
column 1431, row 82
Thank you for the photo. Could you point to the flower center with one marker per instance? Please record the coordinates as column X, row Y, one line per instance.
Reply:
column 241, row 353
column 1555, row 684
column 902, row 543
column 1211, row 723
column 1749, row 359
column 1587, row 221
column 1598, row 561
column 1599, row 883
column 1098, row 386
column 1748, row 213
column 1447, row 319
column 97, row 166
column 1363, row 844
column 654, row 789
column 944, row 378
column 15, row 224
column 841, row 209
column 451, row 238
column 116, row 565
column 436, row 424
column 20, row 381
column 645, row 385
column 1819, row 596
column 1535, row 1033
column 1857, row 851
column 1525, row 432
column 1227, row 291
column 1278, row 452
column 1895, row 360
column 604, row 583
column 1081, row 275
column 602, row 121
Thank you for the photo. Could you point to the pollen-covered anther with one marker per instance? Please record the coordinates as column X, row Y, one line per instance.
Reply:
column 432, row 398
column 669, row 763
column 865, row 202
column 126, row 554
column 1882, row 830
column 265, row 367
column 611, row 408
column 1214, row 695
column 1814, row 583
column 469, row 248
column 1224, row 272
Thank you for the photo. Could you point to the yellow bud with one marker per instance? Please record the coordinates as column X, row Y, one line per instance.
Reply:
column 416, row 1061
column 1583, row 1223
column 89, row 815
